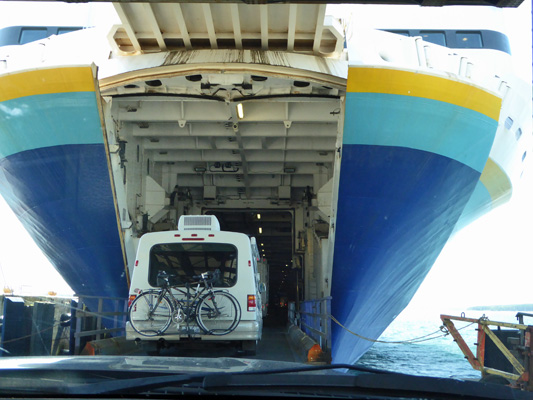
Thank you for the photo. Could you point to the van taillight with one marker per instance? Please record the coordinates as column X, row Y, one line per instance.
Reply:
column 130, row 300
column 251, row 302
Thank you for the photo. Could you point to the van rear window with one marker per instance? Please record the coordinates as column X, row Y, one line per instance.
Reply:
column 186, row 260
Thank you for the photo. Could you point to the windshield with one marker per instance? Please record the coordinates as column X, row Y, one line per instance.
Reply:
column 353, row 184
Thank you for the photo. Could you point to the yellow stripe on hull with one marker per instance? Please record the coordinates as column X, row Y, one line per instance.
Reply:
column 46, row 81
column 496, row 182
column 406, row 83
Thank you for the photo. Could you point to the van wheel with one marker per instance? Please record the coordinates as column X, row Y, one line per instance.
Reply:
column 249, row 347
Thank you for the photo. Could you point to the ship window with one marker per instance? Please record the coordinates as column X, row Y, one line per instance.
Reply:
column 469, row 40
column 518, row 133
column 60, row 31
column 403, row 33
column 28, row 35
column 185, row 260
column 434, row 37
column 508, row 123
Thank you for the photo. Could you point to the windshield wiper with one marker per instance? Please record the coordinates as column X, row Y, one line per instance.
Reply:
column 153, row 382
column 102, row 382
column 295, row 380
column 386, row 386
column 366, row 381
column 132, row 385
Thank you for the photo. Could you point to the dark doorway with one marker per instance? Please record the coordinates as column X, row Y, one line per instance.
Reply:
column 274, row 234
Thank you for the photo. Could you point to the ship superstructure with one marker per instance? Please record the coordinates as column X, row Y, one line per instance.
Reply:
column 352, row 166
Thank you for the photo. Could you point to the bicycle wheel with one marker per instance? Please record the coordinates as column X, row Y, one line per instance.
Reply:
column 149, row 318
column 218, row 313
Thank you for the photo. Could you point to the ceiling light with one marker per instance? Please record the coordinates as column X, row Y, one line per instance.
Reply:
column 260, row 230
column 289, row 170
column 240, row 111
column 199, row 169
column 258, row 216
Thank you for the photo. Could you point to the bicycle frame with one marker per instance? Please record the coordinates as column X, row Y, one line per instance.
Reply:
column 188, row 306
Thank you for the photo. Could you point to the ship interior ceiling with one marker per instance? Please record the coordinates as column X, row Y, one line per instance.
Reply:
column 272, row 146
column 275, row 153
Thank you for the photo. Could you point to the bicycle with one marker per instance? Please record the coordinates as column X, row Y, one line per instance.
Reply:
column 215, row 312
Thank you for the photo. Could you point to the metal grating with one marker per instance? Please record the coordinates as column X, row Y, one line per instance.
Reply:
column 155, row 27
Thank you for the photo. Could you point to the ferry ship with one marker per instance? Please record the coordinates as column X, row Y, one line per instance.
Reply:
column 352, row 159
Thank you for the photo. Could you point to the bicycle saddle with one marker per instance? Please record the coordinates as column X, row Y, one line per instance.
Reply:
column 164, row 278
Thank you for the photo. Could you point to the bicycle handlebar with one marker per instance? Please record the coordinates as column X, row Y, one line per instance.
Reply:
column 209, row 277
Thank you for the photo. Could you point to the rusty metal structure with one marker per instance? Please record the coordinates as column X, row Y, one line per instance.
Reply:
column 512, row 345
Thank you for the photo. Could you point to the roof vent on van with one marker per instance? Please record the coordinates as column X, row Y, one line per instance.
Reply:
column 198, row 223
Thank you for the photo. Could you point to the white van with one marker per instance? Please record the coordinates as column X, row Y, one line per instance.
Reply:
column 262, row 276
column 198, row 246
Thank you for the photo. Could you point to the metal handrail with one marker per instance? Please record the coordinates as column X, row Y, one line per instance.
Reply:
column 117, row 327
column 314, row 319
column 520, row 316
column 84, row 296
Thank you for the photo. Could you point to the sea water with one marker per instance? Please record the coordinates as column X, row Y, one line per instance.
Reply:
column 438, row 357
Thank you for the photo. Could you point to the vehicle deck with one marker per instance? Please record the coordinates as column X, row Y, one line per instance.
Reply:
column 274, row 345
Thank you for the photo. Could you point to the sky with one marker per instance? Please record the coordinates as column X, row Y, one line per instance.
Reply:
column 488, row 262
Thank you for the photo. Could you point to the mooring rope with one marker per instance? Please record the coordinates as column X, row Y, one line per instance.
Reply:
column 31, row 334
column 419, row 339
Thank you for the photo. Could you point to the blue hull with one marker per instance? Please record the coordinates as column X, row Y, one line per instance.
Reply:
column 414, row 147
column 399, row 207
column 54, row 175
column 63, row 197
